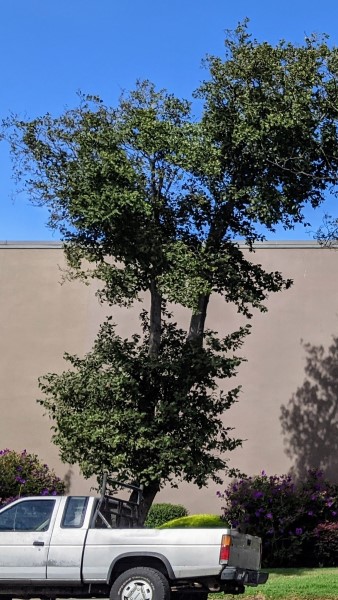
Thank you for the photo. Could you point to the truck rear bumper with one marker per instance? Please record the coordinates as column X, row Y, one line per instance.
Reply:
column 244, row 576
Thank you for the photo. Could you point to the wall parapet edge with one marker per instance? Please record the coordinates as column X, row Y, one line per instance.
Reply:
column 278, row 244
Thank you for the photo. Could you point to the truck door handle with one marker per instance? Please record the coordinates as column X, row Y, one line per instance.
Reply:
column 38, row 543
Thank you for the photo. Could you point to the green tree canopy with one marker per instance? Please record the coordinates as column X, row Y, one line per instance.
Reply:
column 149, row 199
column 152, row 421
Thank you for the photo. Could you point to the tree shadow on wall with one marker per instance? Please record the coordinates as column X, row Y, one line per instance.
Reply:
column 310, row 419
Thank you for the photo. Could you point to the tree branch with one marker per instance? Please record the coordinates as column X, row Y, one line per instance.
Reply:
column 155, row 320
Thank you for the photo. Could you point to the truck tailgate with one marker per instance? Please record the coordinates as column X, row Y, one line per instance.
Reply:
column 245, row 551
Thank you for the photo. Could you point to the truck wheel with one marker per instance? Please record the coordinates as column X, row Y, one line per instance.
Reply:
column 140, row 583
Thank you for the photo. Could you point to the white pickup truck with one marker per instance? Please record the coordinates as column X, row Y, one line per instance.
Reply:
column 92, row 547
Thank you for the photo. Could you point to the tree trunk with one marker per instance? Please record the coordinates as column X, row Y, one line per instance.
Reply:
column 197, row 321
column 155, row 321
column 149, row 493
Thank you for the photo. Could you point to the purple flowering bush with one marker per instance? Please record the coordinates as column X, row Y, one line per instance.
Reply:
column 325, row 544
column 23, row 474
column 283, row 513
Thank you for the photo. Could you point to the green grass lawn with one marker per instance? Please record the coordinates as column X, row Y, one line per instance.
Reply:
column 294, row 584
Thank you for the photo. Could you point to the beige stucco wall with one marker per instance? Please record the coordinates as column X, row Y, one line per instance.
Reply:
column 40, row 319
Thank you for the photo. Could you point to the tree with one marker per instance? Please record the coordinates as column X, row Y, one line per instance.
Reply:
column 151, row 421
column 310, row 419
column 327, row 233
column 149, row 199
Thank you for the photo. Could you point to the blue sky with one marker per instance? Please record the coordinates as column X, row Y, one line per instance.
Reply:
column 50, row 49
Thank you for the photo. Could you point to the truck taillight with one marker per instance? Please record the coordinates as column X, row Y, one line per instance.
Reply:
column 225, row 549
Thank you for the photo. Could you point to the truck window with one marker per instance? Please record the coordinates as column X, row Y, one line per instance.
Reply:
column 28, row 515
column 74, row 512
column 114, row 513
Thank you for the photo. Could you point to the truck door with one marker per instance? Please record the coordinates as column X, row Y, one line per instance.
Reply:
column 25, row 532
column 68, row 539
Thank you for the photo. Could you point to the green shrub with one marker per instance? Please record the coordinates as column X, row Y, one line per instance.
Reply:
column 162, row 512
column 325, row 544
column 198, row 521
column 23, row 474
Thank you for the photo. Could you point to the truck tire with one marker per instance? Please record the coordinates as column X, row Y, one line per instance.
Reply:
column 140, row 583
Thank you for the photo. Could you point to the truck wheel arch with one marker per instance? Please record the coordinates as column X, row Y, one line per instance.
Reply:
column 130, row 560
